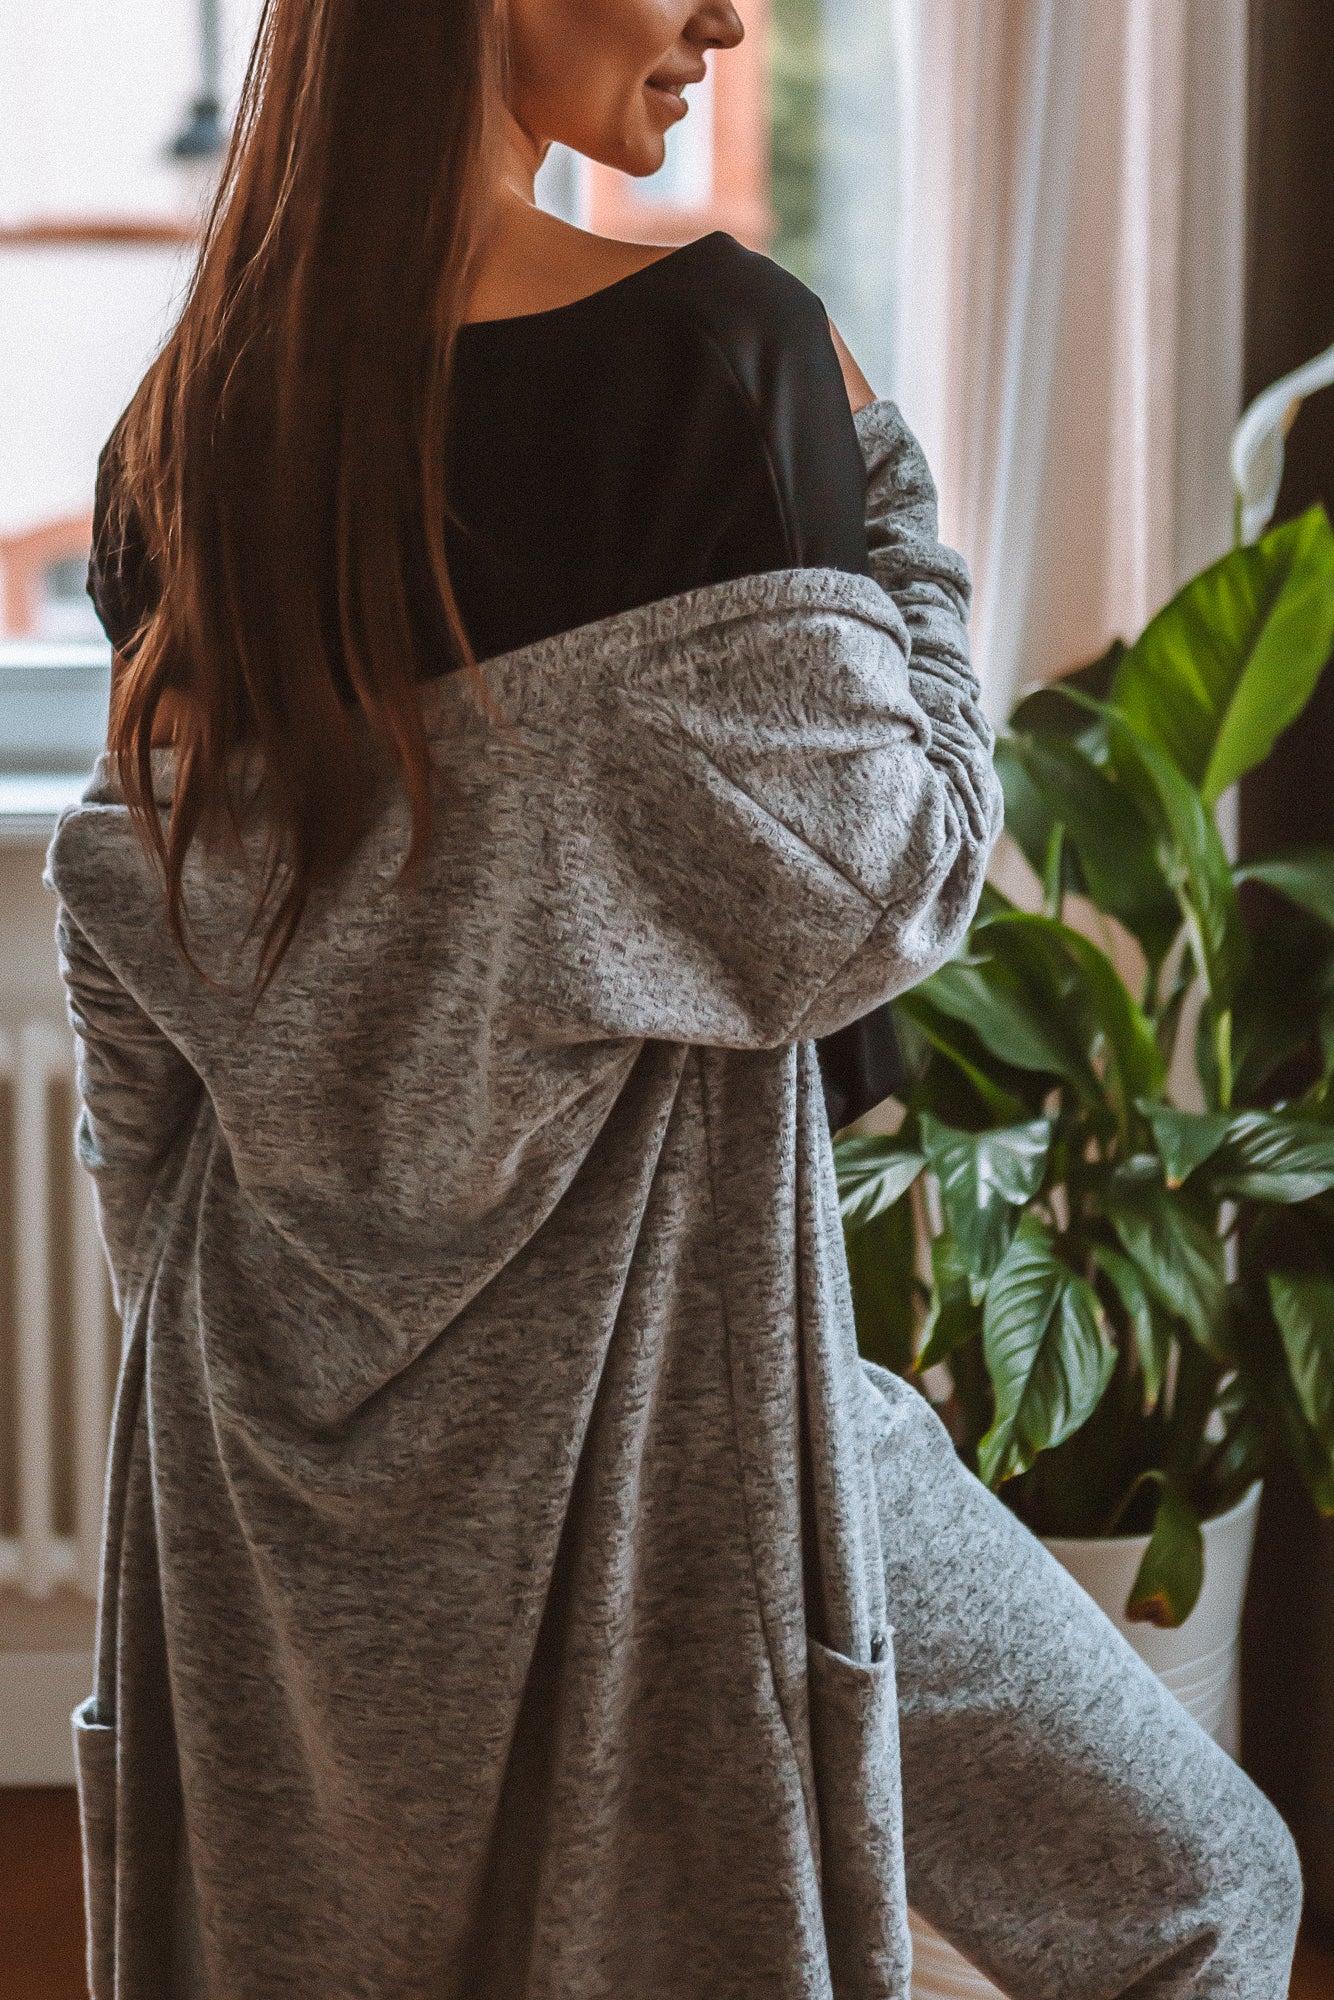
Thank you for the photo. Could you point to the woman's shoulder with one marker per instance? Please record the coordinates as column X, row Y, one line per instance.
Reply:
column 591, row 285
column 707, row 324
column 771, row 336
column 767, row 330
column 745, row 298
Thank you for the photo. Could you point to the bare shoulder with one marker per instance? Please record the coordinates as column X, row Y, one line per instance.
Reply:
column 860, row 392
column 536, row 261
column 585, row 260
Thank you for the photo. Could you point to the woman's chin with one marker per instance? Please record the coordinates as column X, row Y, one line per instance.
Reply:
column 639, row 156
column 653, row 159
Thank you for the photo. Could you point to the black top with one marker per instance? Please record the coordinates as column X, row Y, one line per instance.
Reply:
column 683, row 426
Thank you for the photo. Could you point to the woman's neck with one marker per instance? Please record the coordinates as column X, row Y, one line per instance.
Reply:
column 531, row 261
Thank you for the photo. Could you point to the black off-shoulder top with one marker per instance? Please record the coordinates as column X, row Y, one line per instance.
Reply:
column 683, row 426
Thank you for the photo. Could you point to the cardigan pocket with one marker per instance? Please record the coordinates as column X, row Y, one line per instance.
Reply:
column 95, row 1772
column 855, row 1753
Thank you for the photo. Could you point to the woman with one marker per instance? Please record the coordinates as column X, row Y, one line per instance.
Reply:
column 508, row 1561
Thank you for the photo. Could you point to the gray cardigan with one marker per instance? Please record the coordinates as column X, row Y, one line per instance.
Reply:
column 494, row 1601
column 503, row 1543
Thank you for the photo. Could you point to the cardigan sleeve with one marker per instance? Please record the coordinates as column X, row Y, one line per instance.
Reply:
column 769, row 836
column 137, row 1093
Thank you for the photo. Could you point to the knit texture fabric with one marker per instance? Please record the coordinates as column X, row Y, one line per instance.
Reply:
column 496, row 1592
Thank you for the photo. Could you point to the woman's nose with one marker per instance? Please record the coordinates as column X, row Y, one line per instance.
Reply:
column 716, row 26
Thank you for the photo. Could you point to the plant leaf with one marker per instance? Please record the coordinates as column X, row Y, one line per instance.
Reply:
column 998, row 1015
column 1303, row 1308
column 1056, row 872
column 985, row 1178
column 937, row 1029
column 1192, row 858
column 1267, row 1369
column 882, row 1273
column 1151, row 1338
column 1268, row 1157
column 1223, row 669
column 1240, row 1455
column 1185, row 1139
column 872, row 1174
column 1050, row 713
column 1305, row 875
column 1282, row 1003
column 953, row 1317
column 1168, row 1582
column 1180, row 1260
column 1053, row 783
column 1313, row 1462
column 1069, row 980
column 1047, row 1353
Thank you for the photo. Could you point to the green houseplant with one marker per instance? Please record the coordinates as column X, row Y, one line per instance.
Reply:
column 1102, row 1236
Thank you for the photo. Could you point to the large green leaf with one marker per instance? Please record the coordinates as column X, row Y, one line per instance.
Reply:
column 959, row 1046
column 1152, row 1340
column 1240, row 1455
column 1047, row 1353
column 1268, row 1157
column 1192, row 858
column 1305, row 875
column 1049, row 711
column 1227, row 665
column 1051, row 784
column 985, row 1178
column 1314, row 1463
column 993, row 1005
column 872, row 1174
column 882, row 1272
column 1073, row 1489
column 1185, row 1139
column 1180, row 1259
column 1168, row 1581
column 953, row 1318
column 1265, row 1368
column 1303, row 1306
column 1251, row 1155
column 992, row 903
column 1064, row 976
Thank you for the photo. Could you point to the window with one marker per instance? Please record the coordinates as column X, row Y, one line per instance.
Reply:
column 97, row 216
column 839, row 122
column 107, row 118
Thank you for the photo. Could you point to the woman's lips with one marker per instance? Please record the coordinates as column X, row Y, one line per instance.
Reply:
column 671, row 85
column 669, row 94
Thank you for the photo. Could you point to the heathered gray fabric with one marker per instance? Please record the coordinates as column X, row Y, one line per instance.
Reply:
column 500, row 1525
column 1066, row 1824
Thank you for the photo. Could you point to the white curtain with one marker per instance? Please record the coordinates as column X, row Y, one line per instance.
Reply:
column 1069, row 346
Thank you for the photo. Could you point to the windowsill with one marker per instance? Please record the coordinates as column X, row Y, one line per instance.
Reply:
column 31, row 802
column 55, row 655
column 53, row 721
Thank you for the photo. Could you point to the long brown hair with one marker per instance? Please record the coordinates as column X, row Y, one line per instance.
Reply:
column 293, row 423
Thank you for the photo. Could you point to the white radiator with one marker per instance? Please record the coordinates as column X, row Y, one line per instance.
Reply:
column 57, row 1338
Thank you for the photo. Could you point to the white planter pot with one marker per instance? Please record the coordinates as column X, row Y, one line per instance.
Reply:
column 1198, row 1661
